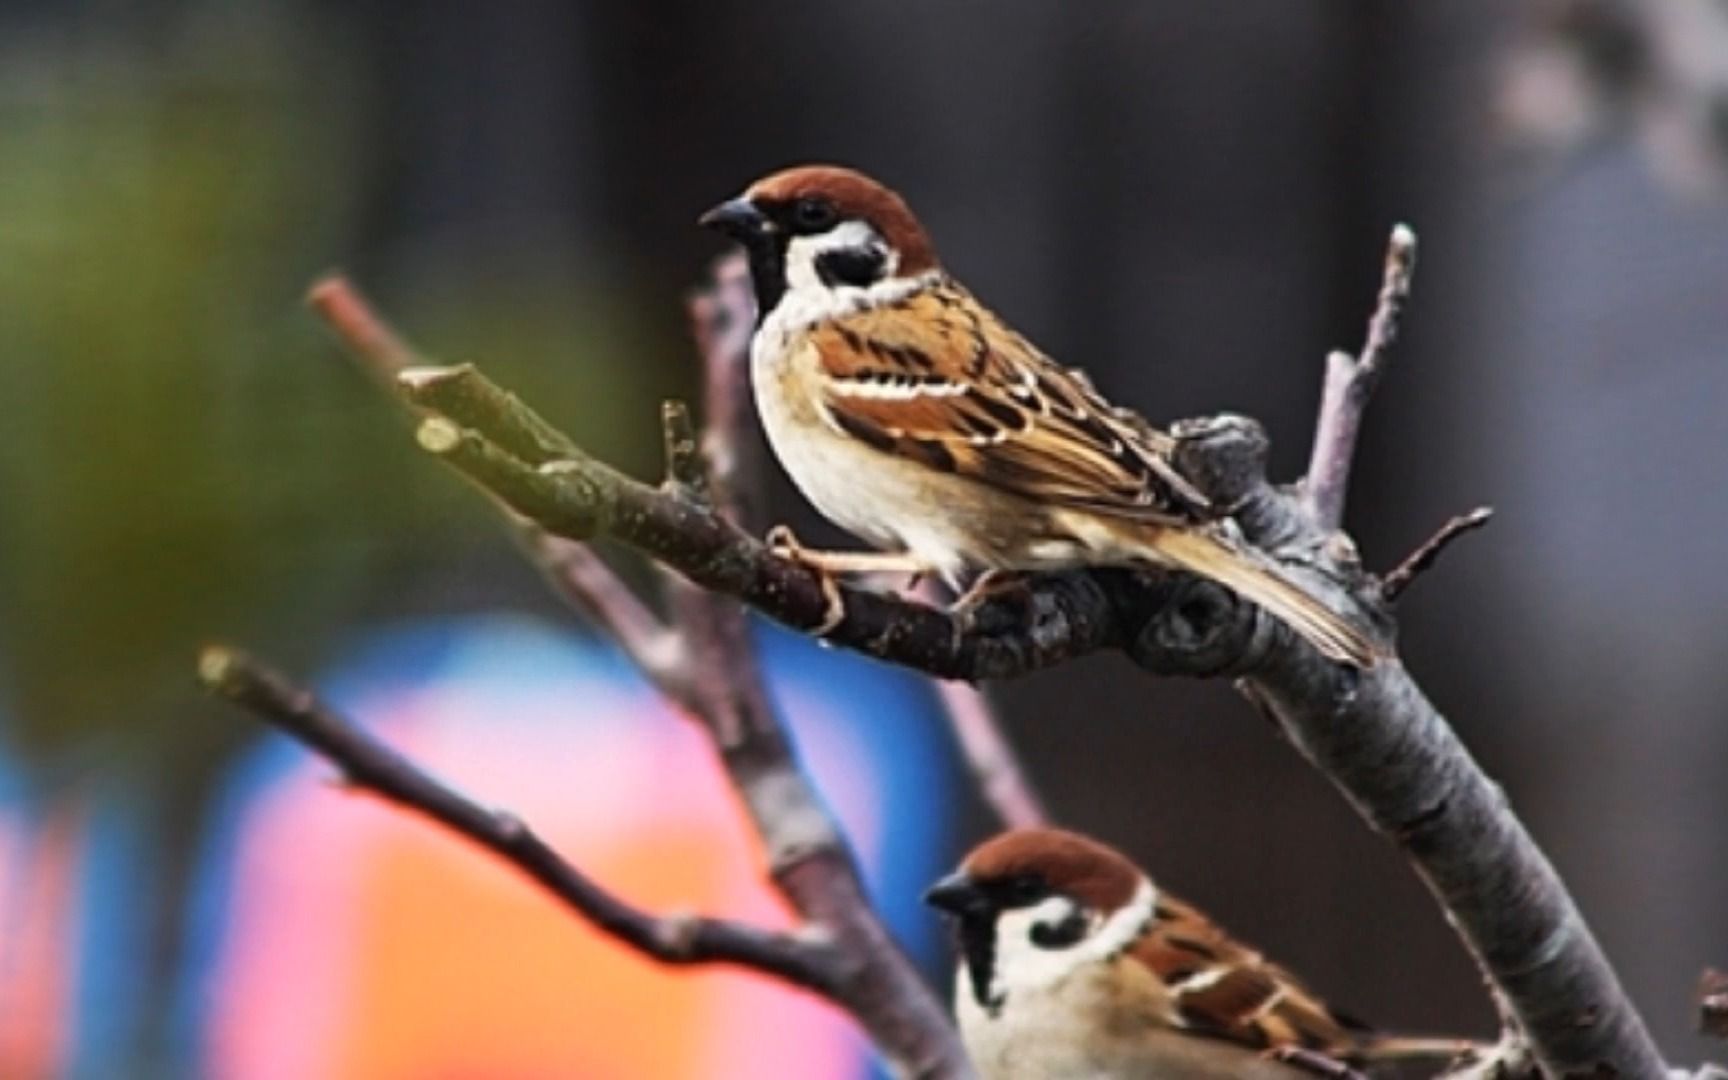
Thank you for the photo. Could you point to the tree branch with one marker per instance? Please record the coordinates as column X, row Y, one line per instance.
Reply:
column 579, row 497
column 722, row 317
column 1350, row 382
column 703, row 660
column 1417, row 562
column 996, row 769
column 805, row 959
column 1373, row 733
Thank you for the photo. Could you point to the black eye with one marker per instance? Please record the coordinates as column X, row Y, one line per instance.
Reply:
column 813, row 214
column 1059, row 935
column 1024, row 891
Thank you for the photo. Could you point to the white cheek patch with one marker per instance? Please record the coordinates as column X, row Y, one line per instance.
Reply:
column 808, row 300
column 1022, row 965
column 803, row 251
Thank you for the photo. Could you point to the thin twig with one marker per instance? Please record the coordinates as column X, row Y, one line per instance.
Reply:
column 368, row 338
column 1350, row 382
column 686, row 467
column 722, row 316
column 581, row 578
column 1001, row 779
column 704, row 660
column 369, row 765
column 1400, row 577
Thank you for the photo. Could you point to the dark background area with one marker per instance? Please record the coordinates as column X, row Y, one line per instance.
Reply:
column 1188, row 200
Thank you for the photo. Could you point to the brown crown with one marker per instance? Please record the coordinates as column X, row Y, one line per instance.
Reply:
column 1096, row 875
column 855, row 195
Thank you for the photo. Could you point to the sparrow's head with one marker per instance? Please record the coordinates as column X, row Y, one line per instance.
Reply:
column 1033, row 905
column 825, row 233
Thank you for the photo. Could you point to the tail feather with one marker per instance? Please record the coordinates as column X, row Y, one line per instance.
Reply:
column 1211, row 557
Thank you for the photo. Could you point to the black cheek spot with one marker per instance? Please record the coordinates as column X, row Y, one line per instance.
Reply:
column 1059, row 935
column 850, row 266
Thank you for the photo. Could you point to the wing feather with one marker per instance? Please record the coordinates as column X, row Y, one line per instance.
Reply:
column 938, row 378
column 1222, row 988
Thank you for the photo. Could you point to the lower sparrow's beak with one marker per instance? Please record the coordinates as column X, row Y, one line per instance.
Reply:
column 738, row 219
column 957, row 895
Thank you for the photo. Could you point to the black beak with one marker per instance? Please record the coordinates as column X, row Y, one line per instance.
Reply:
column 957, row 895
column 738, row 219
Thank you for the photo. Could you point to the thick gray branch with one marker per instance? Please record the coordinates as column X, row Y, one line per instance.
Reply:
column 1372, row 733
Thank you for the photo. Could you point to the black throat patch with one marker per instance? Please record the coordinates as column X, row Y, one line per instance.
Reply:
column 768, row 272
column 978, row 950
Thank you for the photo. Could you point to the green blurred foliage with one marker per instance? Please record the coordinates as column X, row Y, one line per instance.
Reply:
column 183, row 455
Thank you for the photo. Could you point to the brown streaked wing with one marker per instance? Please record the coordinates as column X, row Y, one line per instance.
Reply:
column 938, row 378
column 1222, row 988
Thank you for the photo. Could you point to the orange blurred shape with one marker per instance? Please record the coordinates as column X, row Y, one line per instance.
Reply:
column 366, row 943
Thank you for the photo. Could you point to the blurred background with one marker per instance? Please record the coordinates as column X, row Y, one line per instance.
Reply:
column 1189, row 200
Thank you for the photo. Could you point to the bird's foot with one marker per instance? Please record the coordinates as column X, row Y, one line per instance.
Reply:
column 783, row 543
column 1313, row 1062
column 829, row 565
column 991, row 588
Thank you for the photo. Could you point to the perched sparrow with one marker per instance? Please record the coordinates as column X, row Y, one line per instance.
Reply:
column 913, row 417
column 1074, row 965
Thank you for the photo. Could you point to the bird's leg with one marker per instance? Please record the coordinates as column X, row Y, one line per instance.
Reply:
column 1313, row 1062
column 828, row 565
column 1010, row 589
column 781, row 541
column 991, row 585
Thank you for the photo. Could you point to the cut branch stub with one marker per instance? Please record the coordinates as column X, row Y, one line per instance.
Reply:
column 464, row 395
column 565, row 501
column 686, row 469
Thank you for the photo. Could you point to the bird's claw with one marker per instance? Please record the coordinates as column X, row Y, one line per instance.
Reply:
column 783, row 543
column 1313, row 1062
column 990, row 587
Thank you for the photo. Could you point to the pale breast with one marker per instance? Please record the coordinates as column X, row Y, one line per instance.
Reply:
column 1094, row 1027
column 887, row 502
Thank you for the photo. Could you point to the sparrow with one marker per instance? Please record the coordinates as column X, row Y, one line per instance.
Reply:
column 1073, row 964
column 913, row 417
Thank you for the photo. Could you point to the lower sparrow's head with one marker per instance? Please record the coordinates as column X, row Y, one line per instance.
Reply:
column 1032, row 905
column 822, row 228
